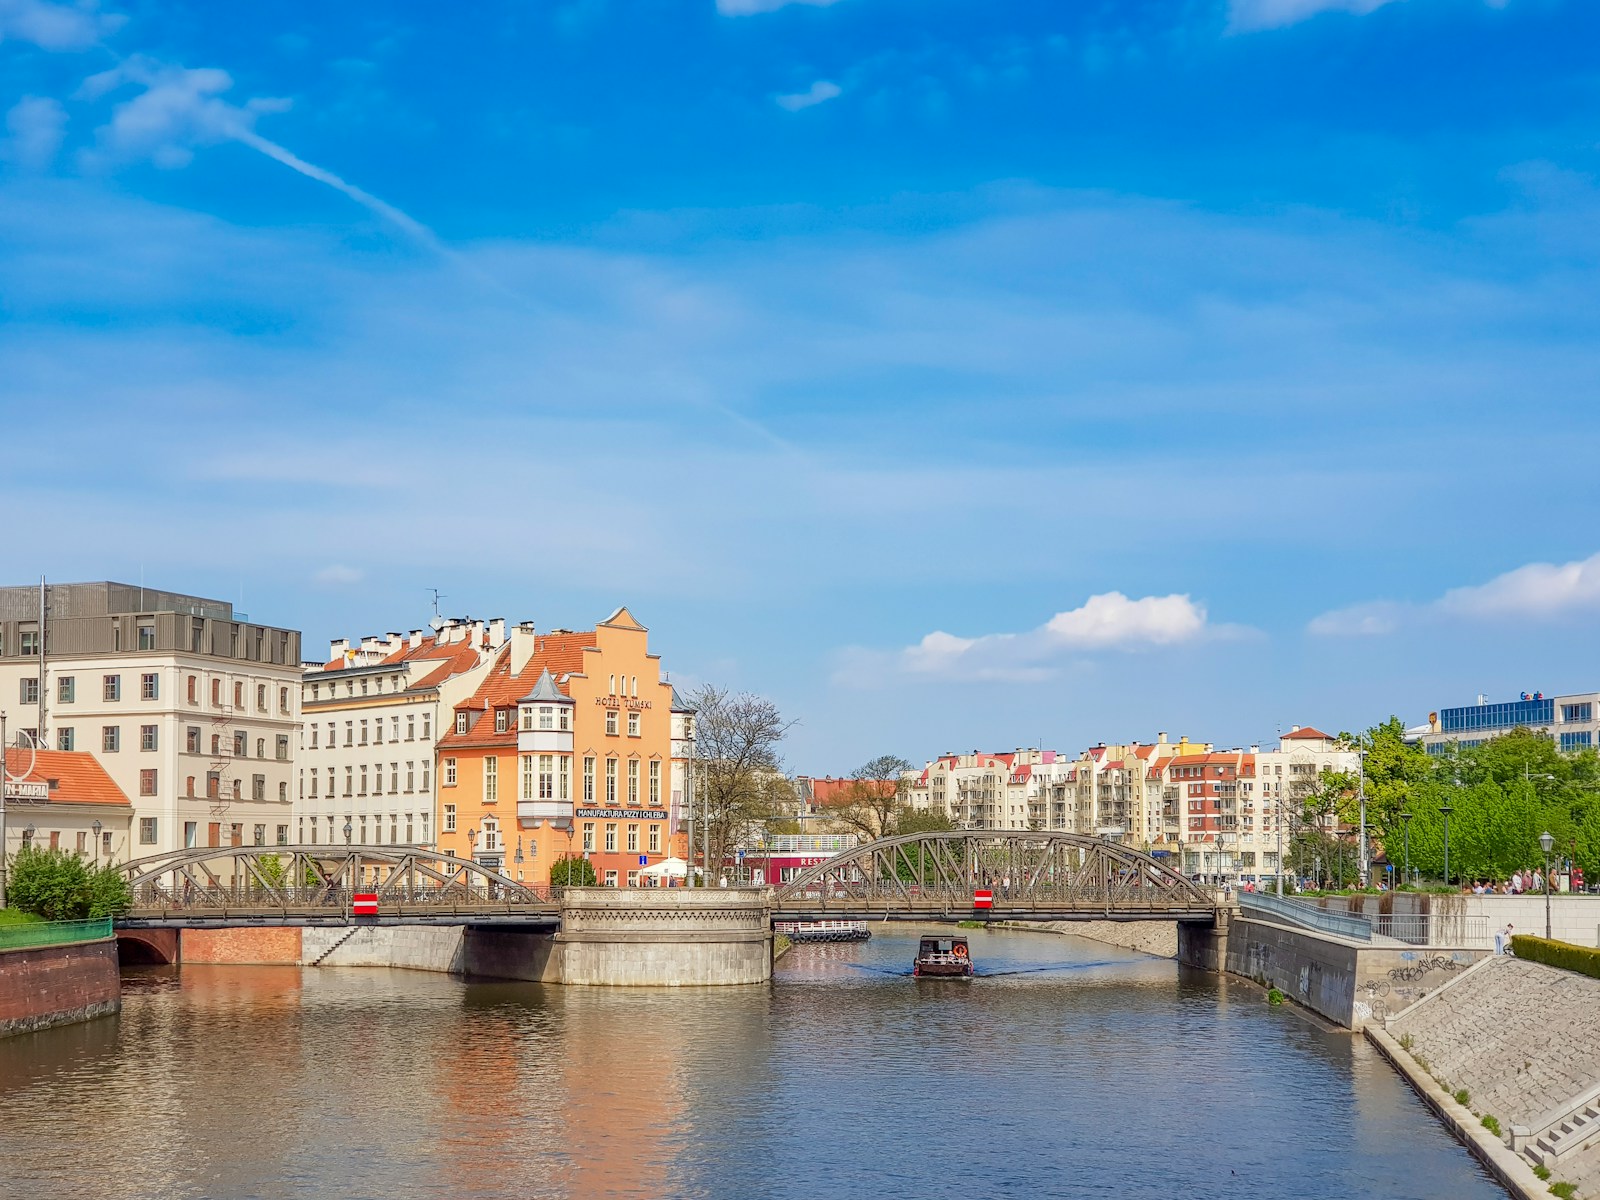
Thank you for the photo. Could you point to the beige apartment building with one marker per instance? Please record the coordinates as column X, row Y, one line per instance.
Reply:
column 192, row 709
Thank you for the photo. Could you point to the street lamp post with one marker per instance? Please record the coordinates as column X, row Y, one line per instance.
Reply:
column 1405, row 822
column 1444, row 811
column 1361, row 796
column 1545, row 843
column 96, row 827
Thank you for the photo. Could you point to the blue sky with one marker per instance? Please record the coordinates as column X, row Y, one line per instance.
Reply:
column 957, row 374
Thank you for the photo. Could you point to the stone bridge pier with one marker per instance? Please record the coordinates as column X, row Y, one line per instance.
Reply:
column 664, row 937
column 1204, row 944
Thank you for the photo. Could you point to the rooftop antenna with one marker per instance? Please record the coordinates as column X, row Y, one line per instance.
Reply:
column 437, row 596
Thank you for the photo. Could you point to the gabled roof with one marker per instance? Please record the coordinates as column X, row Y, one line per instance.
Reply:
column 75, row 775
column 556, row 654
column 1308, row 733
column 680, row 705
column 622, row 619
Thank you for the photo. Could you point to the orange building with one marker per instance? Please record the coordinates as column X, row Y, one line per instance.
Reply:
column 565, row 748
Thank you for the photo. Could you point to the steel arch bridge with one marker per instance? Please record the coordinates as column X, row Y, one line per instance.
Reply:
column 1033, row 875
column 319, row 879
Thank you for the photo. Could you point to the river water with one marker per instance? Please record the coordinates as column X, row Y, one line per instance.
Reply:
column 1068, row 1069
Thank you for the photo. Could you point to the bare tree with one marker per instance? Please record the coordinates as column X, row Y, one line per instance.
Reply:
column 871, row 803
column 739, row 781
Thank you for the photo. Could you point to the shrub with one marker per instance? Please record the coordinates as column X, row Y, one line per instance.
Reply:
column 1583, row 959
column 60, row 886
column 1542, row 1171
column 1463, row 1097
column 1407, row 1041
column 572, row 870
column 1492, row 1124
column 1274, row 996
column 1563, row 1189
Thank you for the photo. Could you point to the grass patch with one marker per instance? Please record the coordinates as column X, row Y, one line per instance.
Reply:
column 1564, row 1189
column 781, row 945
column 1542, row 1171
column 15, row 916
column 1492, row 1124
column 1406, row 1042
column 970, row 924
column 1274, row 996
column 1463, row 1097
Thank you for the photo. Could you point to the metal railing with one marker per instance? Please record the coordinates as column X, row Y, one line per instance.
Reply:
column 1434, row 929
column 1308, row 916
column 54, row 933
column 221, row 896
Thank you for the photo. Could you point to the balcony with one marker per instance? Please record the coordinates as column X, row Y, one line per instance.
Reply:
column 544, row 810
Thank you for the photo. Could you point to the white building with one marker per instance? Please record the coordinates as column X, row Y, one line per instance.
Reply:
column 191, row 709
column 1572, row 722
column 372, row 714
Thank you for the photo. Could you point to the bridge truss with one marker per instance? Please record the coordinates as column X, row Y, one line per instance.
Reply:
column 318, row 877
column 1033, row 875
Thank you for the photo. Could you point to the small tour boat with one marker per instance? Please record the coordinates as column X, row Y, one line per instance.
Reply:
column 943, row 958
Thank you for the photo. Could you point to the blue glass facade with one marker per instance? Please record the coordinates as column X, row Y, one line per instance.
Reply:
column 1509, row 715
column 1577, row 714
column 1577, row 741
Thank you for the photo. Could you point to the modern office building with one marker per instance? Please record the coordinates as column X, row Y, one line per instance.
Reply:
column 1572, row 722
column 192, row 709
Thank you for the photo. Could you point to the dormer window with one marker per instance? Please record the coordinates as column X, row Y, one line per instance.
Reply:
column 461, row 722
column 501, row 720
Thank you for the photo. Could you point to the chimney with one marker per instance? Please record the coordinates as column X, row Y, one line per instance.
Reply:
column 415, row 639
column 396, row 643
column 476, row 634
column 497, row 633
column 337, row 649
column 1255, row 749
column 1294, row 729
column 1161, row 739
column 523, row 640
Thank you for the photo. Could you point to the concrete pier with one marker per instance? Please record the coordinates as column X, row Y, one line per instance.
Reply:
column 664, row 937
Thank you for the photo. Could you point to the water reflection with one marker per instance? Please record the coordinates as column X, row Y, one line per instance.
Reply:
column 1107, row 1073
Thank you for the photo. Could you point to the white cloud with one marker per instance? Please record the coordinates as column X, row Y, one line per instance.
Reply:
column 745, row 8
column 177, row 109
column 1247, row 16
column 54, row 26
column 819, row 92
column 1109, row 621
column 1538, row 591
column 337, row 575
column 36, row 125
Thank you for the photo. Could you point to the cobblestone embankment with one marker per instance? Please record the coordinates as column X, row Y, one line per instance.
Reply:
column 1521, row 1038
column 1159, row 938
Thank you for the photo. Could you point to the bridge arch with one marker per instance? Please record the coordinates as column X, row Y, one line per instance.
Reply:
column 147, row 947
column 1035, row 873
column 283, row 876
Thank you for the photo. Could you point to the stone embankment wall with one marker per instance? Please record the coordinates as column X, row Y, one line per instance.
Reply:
column 1159, row 938
column 1574, row 919
column 56, row 985
column 1348, row 982
column 1521, row 1037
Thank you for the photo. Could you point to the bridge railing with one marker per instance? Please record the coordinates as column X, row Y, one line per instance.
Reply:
column 1283, row 910
column 53, row 933
column 191, row 896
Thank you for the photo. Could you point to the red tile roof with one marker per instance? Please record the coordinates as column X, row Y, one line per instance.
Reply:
column 559, row 653
column 1308, row 732
column 79, row 778
column 450, row 658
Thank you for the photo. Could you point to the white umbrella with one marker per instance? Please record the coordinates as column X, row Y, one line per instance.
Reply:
column 676, row 868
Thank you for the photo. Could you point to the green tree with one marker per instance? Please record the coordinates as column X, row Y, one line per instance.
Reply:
column 572, row 870
column 923, row 820
column 874, row 797
column 61, row 886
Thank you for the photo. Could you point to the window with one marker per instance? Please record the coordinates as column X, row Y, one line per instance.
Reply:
column 409, row 837
column 611, row 879
column 238, row 694
column 147, row 635
column 655, row 782
column 65, row 738
column 112, row 687
column 611, row 782
column 66, row 689
column 349, row 781
column 655, row 839
column 427, row 726
column 283, row 835
column 633, row 839
column 363, row 733
column 313, row 785
column 191, row 834
column 283, row 747
column 611, row 722
column 500, row 718
column 30, row 691
column 547, row 717
column 237, row 788
column 394, row 777
column 1570, row 713
column 364, row 829
column 633, row 781
column 377, row 732
column 425, row 763
column 363, row 687
column 191, row 685
column 147, row 737
column 363, row 790
column 110, row 738
column 547, row 781
column 491, row 779
column 565, row 718
column 283, row 707
column 588, row 836
column 147, row 782
column 30, row 641
column 449, row 818
column 411, row 777
column 258, row 789
column 349, row 733
column 394, row 728
column 588, row 779
column 461, row 725
column 216, row 693
column 612, row 687
column 564, row 791
column 149, row 686
column 1577, row 740
column 147, row 831
column 633, row 724
column 611, row 836
column 213, row 785
column 241, row 744
column 191, row 739
column 260, row 835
